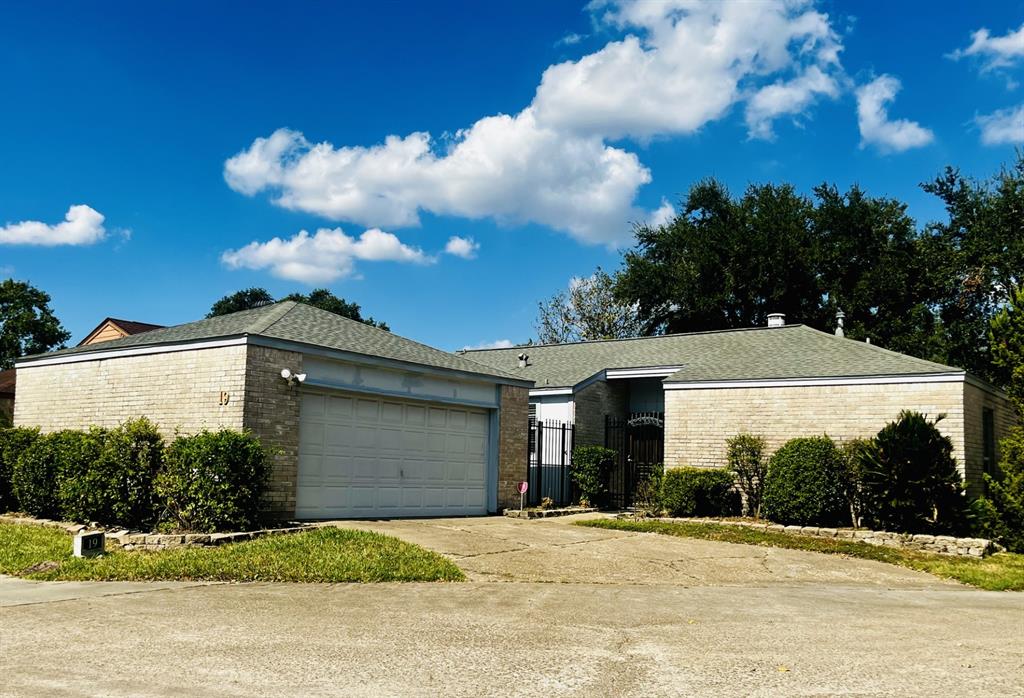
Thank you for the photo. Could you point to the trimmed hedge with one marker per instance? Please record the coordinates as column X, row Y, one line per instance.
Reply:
column 699, row 492
column 589, row 469
column 40, row 469
column 12, row 442
column 805, row 484
column 213, row 481
column 115, row 485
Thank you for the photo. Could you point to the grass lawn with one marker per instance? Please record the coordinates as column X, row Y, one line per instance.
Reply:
column 999, row 572
column 321, row 555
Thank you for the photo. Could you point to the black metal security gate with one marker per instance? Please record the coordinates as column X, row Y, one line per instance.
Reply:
column 639, row 444
column 551, row 444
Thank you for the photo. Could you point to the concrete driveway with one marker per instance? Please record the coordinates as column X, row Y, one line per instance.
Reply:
column 671, row 618
column 553, row 550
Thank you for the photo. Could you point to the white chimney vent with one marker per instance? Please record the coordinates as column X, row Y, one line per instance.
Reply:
column 524, row 360
column 776, row 319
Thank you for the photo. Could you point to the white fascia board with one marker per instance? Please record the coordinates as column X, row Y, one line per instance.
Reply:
column 646, row 372
column 103, row 354
column 543, row 392
column 958, row 377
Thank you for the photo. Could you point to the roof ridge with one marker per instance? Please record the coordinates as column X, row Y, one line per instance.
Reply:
column 274, row 314
column 633, row 339
column 890, row 352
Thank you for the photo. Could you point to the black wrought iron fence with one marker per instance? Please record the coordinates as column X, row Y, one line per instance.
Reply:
column 551, row 444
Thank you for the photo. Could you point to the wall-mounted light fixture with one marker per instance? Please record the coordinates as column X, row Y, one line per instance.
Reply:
column 292, row 378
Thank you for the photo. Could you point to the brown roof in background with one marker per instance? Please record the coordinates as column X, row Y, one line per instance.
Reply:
column 133, row 327
column 129, row 327
column 7, row 379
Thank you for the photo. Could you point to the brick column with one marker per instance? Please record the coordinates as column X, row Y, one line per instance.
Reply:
column 272, row 414
column 513, row 426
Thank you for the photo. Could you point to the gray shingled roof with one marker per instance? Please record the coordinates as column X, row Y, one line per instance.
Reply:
column 297, row 322
column 791, row 351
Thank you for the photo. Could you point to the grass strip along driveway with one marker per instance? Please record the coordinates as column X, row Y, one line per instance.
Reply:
column 321, row 555
column 999, row 572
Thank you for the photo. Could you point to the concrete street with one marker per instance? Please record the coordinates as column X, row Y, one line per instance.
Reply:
column 550, row 609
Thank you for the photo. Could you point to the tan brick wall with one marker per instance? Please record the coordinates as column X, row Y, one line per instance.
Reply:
column 697, row 422
column 271, row 411
column 975, row 401
column 177, row 390
column 593, row 403
column 513, row 426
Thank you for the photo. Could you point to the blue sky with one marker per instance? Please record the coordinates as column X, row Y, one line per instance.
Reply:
column 188, row 136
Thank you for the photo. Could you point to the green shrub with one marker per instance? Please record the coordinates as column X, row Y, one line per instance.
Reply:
column 909, row 479
column 999, row 514
column 589, row 470
column 805, row 484
column 213, row 481
column 12, row 443
column 745, row 453
column 41, row 468
column 116, row 487
column 648, row 498
column 699, row 492
column 852, row 454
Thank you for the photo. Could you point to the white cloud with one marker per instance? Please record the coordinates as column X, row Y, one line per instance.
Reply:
column 82, row 225
column 994, row 51
column 327, row 255
column 462, row 247
column 681, row 64
column 497, row 344
column 570, row 39
column 688, row 63
column 1005, row 126
column 507, row 168
column 662, row 215
column 785, row 98
column 873, row 118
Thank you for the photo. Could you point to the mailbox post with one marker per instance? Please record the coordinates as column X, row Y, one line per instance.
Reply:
column 89, row 544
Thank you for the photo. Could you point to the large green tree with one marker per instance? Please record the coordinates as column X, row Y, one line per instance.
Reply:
column 722, row 262
column 246, row 299
column 27, row 323
column 868, row 263
column 321, row 298
column 976, row 259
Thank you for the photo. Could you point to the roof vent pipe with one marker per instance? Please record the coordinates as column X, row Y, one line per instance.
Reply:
column 776, row 319
column 524, row 360
column 840, row 316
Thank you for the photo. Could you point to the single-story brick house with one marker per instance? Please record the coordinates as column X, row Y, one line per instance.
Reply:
column 365, row 423
column 780, row 381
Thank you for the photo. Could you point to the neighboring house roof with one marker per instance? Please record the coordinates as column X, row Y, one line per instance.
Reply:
column 761, row 353
column 7, row 382
column 297, row 323
column 120, row 328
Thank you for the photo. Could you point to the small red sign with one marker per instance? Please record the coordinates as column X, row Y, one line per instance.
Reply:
column 522, row 487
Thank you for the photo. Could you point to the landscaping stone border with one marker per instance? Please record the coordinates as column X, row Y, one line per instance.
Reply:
column 546, row 513
column 137, row 540
column 943, row 545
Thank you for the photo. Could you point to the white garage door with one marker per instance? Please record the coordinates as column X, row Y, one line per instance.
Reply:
column 361, row 456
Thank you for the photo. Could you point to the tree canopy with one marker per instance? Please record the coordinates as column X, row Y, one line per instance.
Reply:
column 726, row 262
column 320, row 298
column 589, row 310
column 27, row 323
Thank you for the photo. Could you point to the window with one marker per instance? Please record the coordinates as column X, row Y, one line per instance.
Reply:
column 988, row 439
